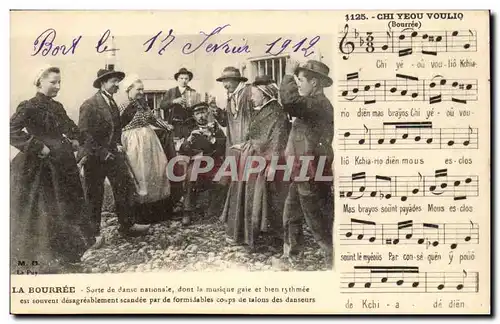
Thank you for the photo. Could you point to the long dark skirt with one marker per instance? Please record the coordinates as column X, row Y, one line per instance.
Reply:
column 49, row 222
column 254, row 208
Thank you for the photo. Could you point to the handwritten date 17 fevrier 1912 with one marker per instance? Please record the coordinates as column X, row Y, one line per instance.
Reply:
column 45, row 44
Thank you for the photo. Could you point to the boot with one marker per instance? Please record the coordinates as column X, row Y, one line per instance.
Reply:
column 186, row 219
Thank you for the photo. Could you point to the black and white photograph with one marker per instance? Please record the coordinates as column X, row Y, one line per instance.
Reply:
column 164, row 152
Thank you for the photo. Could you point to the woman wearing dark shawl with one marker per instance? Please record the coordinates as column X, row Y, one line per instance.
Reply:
column 255, row 206
column 48, row 222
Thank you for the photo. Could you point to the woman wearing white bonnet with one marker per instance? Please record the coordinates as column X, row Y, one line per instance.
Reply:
column 48, row 222
column 143, row 149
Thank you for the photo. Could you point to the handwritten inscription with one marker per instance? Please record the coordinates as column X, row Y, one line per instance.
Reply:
column 302, row 45
column 225, row 47
column 101, row 44
column 164, row 43
column 210, row 42
column 45, row 45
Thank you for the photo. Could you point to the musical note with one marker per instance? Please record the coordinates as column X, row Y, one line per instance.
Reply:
column 432, row 239
column 431, row 42
column 387, row 194
column 442, row 282
column 403, row 225
column 442, row 173
column 460, row 286
column 469, row 237
column 461, row 87
column 403, row 90
column 422, row 186
column 351, row 89
column 361, row 178
column 407, row 88
column 407, row 279
column 406, row 47
column 362, row 227
column 370, row 93
column 388, row 41
column 368, row 282
column 363, row 140
column 467, row 142
column 409, row 135
column 408, row 233
column 352, row 283
column 405, row 42
column 415, row 188
column 459, row 36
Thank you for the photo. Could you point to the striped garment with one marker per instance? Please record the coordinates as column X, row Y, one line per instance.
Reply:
column 143, row 117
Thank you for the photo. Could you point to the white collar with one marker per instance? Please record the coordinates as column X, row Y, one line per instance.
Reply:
column 104, row 92
column 265, row 104
column 238, row 89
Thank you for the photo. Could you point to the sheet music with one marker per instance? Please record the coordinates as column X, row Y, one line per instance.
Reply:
column 412, row 143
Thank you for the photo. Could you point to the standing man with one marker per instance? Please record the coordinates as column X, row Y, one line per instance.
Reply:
column 237, row 115
column 102, row 155
column 177, row 113
column 174, row 102
column 311, row 136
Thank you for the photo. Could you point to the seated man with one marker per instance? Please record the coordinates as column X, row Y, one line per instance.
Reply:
column 207, row 139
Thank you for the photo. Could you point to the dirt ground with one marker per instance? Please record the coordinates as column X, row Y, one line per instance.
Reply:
column 169, row 246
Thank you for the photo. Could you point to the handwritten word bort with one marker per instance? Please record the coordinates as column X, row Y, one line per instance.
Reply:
column 44, row 44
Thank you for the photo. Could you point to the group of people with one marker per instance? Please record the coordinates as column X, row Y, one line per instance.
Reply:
column 59, row 174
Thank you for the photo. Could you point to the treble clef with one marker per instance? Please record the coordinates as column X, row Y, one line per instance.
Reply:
column 346, row 47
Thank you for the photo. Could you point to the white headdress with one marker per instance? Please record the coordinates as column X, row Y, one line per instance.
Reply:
column 127, row 83
column 121, row 97
column 40, row 72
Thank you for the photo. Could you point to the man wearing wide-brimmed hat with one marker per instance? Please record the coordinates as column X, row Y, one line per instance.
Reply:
column 311, row 137
column 236, row 116
column 102, row 154
column 174, row 103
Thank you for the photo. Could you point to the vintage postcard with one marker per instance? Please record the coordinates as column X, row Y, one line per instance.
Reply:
column 250, row 162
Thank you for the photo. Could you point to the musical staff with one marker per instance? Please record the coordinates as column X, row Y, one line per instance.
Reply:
column 407, row 279
column 405, row 42
column 408, row 135
column 407, row 88
column 359, row 185
column 362, row 232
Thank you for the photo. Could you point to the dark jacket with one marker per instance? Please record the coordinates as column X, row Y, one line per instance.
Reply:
column 312, row 130
column 46, row 121
column 175, row 113
column 101, row 126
